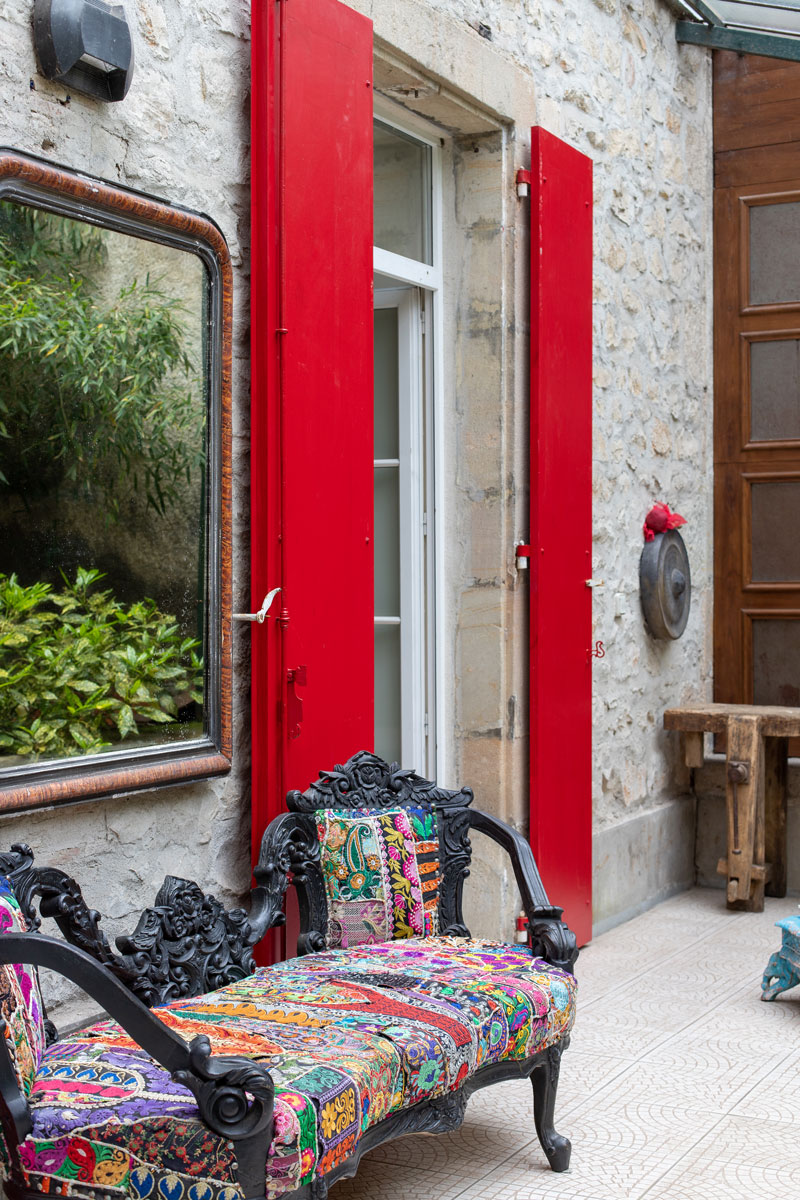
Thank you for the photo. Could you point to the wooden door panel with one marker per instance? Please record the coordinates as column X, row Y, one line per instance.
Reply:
column 311, row 393
column 753, row 96
column 327, row 401
column 728, row 660
column 768, row 164
column 561, row 524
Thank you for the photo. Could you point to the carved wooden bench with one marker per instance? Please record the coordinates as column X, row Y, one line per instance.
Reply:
column 249, row 1082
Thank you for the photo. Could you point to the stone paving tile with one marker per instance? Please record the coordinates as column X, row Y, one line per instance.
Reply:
column 776, row 1097
column 678, row 1080
column 375, row 1181
column 740, row 1159
column 619, row 1150
column 584, row 1073
column 680, row 1083
column 628, row 1028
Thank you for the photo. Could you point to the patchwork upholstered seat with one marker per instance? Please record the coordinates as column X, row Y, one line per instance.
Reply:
column 348, row 1037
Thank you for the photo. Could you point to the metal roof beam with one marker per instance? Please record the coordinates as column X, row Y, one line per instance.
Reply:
column 720, row 37
column 705, row 11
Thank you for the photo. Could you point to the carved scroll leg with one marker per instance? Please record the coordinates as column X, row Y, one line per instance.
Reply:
column 544, row 1079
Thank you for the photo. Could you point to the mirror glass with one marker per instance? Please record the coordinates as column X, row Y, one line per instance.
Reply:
column 103, row 489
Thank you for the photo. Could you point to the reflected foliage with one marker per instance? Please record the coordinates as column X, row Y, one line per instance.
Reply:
column 80, row 672
column 98, row 392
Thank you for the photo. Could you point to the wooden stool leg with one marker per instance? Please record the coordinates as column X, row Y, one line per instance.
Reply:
column 693, row 749
column 744, row 865
column 776, row 752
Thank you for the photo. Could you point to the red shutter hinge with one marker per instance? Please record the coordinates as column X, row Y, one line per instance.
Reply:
column 523, row 183
column 522, row 553
column 295, row 677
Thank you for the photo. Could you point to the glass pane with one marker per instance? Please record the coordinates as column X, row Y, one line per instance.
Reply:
column 387, row 693
column 387, row 542
column 402, row 183
column 775, row 390
column 387, row 429
column 775, row 253
column 102, row 489
column 778, row 17
column 776, row 662
column 776, row 546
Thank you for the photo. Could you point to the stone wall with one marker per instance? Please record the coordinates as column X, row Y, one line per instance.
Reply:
column 181, row 134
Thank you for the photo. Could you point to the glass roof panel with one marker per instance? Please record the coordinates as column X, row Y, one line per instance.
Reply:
column 770, row 27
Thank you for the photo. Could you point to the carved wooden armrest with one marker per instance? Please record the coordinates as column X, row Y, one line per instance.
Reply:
column 290, row 853
column 234, row 1095
column 550, row 938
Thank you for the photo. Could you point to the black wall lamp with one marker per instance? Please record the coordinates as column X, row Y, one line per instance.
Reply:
column 84, row 44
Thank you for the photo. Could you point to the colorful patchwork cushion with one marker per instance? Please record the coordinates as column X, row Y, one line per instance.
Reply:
column 381, row 872
column 20, row 1000
column 349, row 1037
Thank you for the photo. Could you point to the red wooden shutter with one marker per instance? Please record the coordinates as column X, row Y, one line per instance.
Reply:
column 561, row 529
column 311, row 403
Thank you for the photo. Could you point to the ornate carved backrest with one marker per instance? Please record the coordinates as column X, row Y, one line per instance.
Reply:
column 186, row 944
column 290, row 849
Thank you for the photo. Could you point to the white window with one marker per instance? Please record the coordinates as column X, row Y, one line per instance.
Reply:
column 407, row 260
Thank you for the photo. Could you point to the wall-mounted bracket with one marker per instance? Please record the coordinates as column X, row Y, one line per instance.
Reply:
column 84, row 44
column 295, row 678
column 522, row 557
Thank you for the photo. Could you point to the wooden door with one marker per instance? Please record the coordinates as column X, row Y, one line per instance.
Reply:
column 757, row 381
column 561, row 525
column 311, row 394
column 757, row 444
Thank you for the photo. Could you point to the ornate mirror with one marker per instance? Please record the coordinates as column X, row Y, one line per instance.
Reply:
column 115, row 313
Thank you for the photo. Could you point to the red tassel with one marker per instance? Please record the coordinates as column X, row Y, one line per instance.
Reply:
column 659, row 520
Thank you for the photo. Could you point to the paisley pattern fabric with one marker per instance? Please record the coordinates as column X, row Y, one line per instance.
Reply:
column 349, row 1037
column 381, row 873
column 20, row 1000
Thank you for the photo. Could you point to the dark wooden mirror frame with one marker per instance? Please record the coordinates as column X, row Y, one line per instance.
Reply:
column 57, row 189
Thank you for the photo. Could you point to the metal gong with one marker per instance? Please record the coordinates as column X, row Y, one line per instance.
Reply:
column 665, row 585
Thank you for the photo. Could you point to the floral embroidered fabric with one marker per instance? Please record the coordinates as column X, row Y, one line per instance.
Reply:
column 20, row 999
column 349, row 1037
column 381, row 873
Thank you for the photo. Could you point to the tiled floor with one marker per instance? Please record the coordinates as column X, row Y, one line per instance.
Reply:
column 680, row 1084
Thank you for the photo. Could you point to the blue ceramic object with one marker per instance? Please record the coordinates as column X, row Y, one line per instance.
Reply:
column 783, row 969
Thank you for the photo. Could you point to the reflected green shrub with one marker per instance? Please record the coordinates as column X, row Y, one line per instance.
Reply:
column 98, row 394
column 80, row 672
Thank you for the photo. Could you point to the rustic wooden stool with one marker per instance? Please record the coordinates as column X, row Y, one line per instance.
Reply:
column 757, row 738
column 783, row 969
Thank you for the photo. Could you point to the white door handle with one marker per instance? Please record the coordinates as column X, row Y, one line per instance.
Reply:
column 262, row 614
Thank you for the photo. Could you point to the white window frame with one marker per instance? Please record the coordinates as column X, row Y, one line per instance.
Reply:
column 422, row 643
column 406, row 302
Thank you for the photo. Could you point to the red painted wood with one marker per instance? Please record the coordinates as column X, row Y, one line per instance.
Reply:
column 311, row 401
column 265, row 518
column 561, row 527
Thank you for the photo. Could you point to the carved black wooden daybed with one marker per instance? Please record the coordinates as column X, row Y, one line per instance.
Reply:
column 245, row 1082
